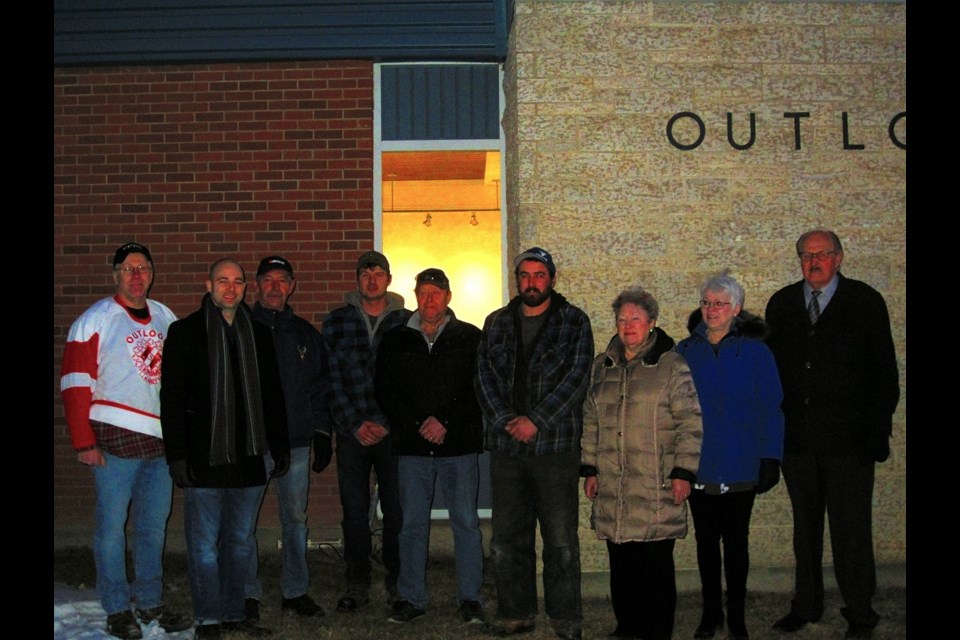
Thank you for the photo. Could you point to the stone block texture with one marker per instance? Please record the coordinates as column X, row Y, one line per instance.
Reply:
column 594, row 178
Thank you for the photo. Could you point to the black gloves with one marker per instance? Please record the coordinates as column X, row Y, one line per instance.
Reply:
column 769, row 474
column 181, row 474
column 281, row 464
column 881, row 447
column 322, row 451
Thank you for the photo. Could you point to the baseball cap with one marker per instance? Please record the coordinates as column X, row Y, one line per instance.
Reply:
column 435, row 277
column 538, row 254
column 274, row 262
column 131, row 247
column 373, row 259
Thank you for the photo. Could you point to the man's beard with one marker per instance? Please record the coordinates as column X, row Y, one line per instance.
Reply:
column 534, row 297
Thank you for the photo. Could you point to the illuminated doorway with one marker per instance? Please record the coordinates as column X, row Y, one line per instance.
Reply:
column 438, row 194
column 442, row 209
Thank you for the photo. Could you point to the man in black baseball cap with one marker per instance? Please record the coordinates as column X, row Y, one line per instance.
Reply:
column 299, row 349
column 111, row 394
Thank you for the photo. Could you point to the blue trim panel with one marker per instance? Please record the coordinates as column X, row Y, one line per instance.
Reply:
column 133, row 31
column 440, row 102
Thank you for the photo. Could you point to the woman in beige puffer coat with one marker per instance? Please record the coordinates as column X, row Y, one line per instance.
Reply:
column 641, row 449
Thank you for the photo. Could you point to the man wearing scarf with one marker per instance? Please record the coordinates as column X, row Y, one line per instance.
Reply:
column 222, row 410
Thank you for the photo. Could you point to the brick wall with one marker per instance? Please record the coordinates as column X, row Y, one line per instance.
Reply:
column 592, row 176
column 197, row 163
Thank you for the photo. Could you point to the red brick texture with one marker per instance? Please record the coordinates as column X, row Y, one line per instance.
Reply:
column 201, row 162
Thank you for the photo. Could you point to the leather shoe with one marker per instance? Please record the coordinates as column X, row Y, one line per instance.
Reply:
column 710, row 622
column 123, row 624
column 357, row 595
column 790, row 623
column 302, row 605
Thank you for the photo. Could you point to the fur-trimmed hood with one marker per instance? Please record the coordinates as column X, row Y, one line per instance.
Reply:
column 746, row 324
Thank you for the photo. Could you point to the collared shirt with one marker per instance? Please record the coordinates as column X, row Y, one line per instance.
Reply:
column 124, row 443
column 825, row 294
column 414, row 323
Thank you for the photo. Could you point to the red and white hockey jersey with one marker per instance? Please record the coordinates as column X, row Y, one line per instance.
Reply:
column 111, row 370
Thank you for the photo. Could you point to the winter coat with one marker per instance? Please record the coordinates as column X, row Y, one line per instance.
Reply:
column 300, row 357
column 185, row 406
column 414, row 382
column 641, row 429
column 840, row 379
column 739, row 390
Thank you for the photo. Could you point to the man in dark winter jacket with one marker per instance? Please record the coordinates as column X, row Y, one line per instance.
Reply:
column 221, row 411
column 300, row 358
column 832, row 342
column 424, row 384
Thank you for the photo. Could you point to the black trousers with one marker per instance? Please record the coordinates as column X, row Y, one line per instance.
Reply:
column 643, row 588
column 724, row 518
column 841, row 487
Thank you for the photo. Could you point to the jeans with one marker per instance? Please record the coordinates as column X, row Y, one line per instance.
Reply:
column 527, row 490
column 354, row 463
column 292, row 498
column 144, row 488
column 217, row 526
column 459, row 482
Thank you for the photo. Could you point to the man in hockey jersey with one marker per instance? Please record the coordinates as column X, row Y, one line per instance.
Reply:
column 111, row 393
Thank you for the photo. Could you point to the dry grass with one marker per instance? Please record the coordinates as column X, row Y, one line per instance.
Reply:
column 75, row 567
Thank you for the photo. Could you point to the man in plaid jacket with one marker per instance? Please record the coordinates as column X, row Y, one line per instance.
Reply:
column 533, row 368
column 351, row 336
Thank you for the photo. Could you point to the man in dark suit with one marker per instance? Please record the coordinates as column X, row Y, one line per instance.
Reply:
column 831, row 338
column 222, row 411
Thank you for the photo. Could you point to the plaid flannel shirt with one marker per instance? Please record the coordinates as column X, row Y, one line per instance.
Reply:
column 557, row 378
column 351, row 353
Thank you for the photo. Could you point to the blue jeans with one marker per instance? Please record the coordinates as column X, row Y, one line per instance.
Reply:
column 354, row 463
column 527, row 490
column 459, row 482
column 216, row 525
column 292, row 497
column 142, row 486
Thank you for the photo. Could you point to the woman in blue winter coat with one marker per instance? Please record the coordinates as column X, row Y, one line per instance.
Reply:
column 740, row 395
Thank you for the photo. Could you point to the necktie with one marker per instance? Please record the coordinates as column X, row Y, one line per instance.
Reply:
column 813, row 309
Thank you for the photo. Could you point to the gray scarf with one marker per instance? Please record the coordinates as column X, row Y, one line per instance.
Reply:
column 223, row 422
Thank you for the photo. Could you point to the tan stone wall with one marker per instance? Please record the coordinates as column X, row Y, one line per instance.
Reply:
column 593, row 178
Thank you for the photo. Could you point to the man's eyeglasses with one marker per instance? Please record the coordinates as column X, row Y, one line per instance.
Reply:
column 140, row 268
column 806, row 256
column 716, row 304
